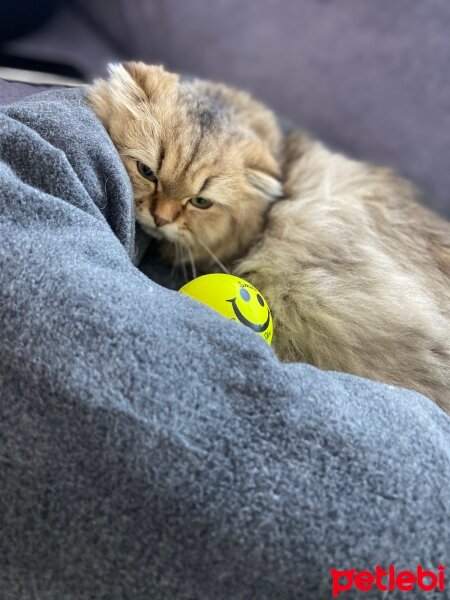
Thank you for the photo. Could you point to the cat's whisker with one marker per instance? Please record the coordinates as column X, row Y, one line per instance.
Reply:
column 176, row 260
column 181, row 260
column 213, row 256
column 192, row 261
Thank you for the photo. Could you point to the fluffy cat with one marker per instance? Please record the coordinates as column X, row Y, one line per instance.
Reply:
column 357, row 274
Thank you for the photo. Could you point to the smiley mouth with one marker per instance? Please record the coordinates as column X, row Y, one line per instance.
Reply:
column 245, row 321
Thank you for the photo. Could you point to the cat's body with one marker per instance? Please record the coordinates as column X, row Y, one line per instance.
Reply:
column 356, row 273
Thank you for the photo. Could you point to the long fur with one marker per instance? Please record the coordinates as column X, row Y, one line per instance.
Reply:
column 357, row 274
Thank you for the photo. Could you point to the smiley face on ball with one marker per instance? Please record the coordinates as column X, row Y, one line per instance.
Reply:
column 250, row 305
column 235, row 299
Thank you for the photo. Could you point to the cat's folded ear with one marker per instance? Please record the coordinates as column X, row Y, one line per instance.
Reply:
column 130, row 86
column 153, row 80
column 263, row 174
column 266, row 184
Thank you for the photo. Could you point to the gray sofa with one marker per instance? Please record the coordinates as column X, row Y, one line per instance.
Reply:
column 371, row 78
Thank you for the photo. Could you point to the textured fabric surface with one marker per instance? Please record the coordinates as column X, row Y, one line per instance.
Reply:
column 368, row 77
column 150, row 448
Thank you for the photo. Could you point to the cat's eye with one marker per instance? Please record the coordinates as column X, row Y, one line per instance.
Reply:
column 146, row 172
column 200, row 202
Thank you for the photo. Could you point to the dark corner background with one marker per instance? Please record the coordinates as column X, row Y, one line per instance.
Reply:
column 371, row 78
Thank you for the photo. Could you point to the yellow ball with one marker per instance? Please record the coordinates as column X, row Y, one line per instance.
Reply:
column 235, row 299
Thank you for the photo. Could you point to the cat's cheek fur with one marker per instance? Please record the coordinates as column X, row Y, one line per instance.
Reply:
column 147, row 223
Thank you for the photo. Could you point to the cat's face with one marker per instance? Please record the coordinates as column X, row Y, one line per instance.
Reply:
column 202, row 159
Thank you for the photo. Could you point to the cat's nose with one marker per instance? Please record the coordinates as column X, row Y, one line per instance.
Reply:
column 159, row 222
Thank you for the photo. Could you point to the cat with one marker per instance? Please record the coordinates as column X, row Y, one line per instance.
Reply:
column 355, row 270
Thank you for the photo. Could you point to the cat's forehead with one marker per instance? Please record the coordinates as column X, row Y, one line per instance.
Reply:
column 188, row 166
column 203, row 115
column 204, row 108
column 198, row 140
column 194, row 153
column 192, row 161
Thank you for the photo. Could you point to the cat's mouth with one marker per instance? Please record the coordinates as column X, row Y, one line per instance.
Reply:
column 152, row 230
column 168, row 231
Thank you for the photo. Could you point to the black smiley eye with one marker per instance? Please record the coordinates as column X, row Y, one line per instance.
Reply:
column 260, row 299
column 145, row 171
column 244, row 294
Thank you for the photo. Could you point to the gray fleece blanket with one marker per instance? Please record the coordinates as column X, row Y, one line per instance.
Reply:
column 149, row 448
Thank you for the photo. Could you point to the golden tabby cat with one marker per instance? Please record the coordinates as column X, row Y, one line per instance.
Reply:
column 356, row 273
